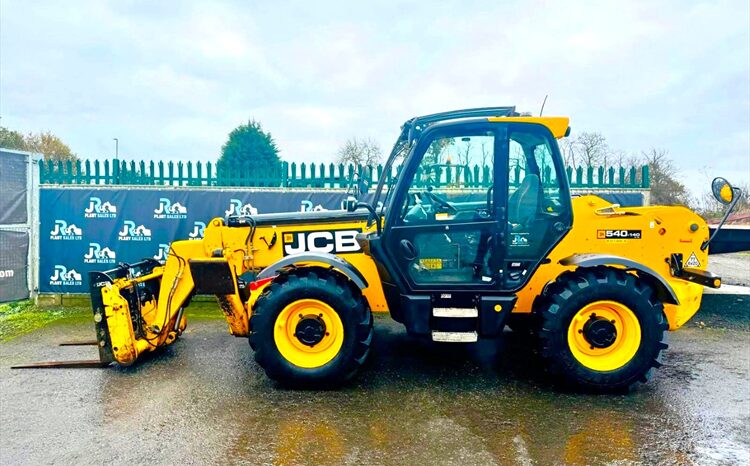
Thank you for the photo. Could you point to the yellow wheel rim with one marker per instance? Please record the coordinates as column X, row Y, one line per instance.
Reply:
column 306, row 355
column 620, row 351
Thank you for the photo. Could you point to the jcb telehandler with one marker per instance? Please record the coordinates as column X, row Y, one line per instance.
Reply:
column 453, row 254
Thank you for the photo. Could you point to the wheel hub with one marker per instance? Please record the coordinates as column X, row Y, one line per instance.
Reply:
column 310, row 330
column 599, row 332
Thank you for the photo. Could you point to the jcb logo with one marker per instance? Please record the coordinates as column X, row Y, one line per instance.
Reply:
column 331, row 241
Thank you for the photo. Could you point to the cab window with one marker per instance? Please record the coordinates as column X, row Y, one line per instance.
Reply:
column 452, row 180
column 535, row 196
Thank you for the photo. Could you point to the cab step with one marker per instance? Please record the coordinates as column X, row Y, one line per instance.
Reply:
column 455, row 337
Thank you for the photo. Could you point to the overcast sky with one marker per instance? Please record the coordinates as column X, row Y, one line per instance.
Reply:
column 171, row 79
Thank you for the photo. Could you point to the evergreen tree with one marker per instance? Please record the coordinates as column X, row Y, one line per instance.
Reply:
column 249, row 145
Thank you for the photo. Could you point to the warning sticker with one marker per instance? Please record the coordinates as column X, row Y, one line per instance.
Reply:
column 431, row 263
column 692, row 261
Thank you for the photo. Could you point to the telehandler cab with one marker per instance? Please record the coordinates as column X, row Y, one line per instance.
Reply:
column 453, row 254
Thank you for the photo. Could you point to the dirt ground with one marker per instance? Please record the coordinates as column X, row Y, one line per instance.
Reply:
column 205, row 401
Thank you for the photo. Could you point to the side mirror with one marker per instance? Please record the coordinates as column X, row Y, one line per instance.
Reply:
column 727, row 195
column 723, row 191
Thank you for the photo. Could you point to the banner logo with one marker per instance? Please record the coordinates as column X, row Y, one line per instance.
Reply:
column 63, row 231
column 99, row 209
column 131, row 232
column 236, row 207
column 329, row 241
column 198, row 229
column 307, row 206
column 163, row 252
column 167, row 209
column 65, row 277
column 99, row 255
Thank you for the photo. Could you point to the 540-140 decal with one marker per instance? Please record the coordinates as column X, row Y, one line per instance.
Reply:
column 330, row 241
column 618, row 234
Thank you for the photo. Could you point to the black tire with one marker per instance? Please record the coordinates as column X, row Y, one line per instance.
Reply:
column 331, row 288
column 571, row 292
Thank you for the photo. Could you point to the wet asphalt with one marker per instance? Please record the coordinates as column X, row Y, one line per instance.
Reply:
column 205, row 401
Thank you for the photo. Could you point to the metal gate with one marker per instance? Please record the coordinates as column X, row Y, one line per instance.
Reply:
column 19, row 196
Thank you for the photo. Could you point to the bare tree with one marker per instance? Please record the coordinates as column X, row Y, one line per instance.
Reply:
column 619, row 158
column 591, row 149
column 485, row 154
column 665, row 189
column 568, row 150
column 464, row 154
column 359, row 152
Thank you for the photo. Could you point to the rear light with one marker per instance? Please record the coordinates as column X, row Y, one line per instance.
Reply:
column 259, row 283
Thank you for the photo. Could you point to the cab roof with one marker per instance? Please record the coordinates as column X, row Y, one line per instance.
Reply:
column 558, row 126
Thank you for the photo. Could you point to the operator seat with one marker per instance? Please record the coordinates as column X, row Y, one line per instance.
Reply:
column 524, row 203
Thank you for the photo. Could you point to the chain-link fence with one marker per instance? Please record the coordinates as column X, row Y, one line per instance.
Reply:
column 18, row 193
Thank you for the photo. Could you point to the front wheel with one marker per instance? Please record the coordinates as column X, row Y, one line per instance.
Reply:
column 311, row 328
column 601, row 329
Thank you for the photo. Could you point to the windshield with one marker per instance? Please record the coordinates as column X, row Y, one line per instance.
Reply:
column 388, row 179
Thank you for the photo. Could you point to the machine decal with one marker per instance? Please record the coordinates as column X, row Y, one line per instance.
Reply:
column 619, row 234
column 330, row 241
column 519, row 239
column 692, row 261
column 431, row 263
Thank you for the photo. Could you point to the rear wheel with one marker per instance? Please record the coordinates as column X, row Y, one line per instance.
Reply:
column 311, row 328
column 601, row 328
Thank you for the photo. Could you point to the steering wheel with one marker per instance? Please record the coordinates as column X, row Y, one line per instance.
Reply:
column 439, row 201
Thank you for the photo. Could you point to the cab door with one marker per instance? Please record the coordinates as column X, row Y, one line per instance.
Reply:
column 446, row 223
column 539, row 209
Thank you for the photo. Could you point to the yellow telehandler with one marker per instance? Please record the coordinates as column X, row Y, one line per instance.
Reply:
column 453, row 254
